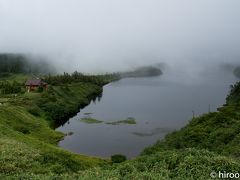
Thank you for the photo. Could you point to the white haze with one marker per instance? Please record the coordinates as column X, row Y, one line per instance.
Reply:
column 112, row 35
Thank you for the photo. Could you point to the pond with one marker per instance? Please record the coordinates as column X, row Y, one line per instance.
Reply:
column 158, row 105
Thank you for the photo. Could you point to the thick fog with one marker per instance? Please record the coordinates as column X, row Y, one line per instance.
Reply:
column 112, row 35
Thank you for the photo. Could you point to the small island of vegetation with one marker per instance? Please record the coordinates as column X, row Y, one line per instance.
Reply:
column 90, row 120
column 129, row 120
column 146, row 71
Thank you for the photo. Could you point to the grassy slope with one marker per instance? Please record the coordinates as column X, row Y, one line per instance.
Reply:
column 28, row 144
column 59, row 102
column 35, row 151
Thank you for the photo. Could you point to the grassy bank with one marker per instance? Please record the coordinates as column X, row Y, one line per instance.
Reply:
column 27, row 143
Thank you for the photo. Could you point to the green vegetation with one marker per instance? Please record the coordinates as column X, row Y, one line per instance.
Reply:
column 60, row 102
column 57, row 103
column 118, row 158
column 63, row 98
column 88, row 113
column 27, row 143
column 19, row 78
column 10, row 88
column 77, row 77
column 90, row 120
column 13, row 83
column 152, row 132
column 170, row 164
column 129, row 120
column 146, row 71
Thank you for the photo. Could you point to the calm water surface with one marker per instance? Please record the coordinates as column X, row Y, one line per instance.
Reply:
column 159, row 105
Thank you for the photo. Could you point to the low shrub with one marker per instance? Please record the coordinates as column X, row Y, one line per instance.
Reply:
column 126, row 169
column 22, row 129
column 34, row 111
column 118, row 158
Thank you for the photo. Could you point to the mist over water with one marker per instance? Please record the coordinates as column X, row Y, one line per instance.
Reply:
column 110, row 35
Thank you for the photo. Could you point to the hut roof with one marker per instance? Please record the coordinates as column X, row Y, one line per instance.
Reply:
column 35, row 82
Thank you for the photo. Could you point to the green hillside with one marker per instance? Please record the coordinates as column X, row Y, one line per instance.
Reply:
column 27, row 143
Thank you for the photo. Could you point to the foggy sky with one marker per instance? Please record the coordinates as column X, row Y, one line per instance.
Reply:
column 111, row 35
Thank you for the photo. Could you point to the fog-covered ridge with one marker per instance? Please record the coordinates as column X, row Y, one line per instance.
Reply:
column 20, row 63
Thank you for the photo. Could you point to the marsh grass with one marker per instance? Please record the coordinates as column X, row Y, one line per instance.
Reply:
column 129, row 120
column 89, row 120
